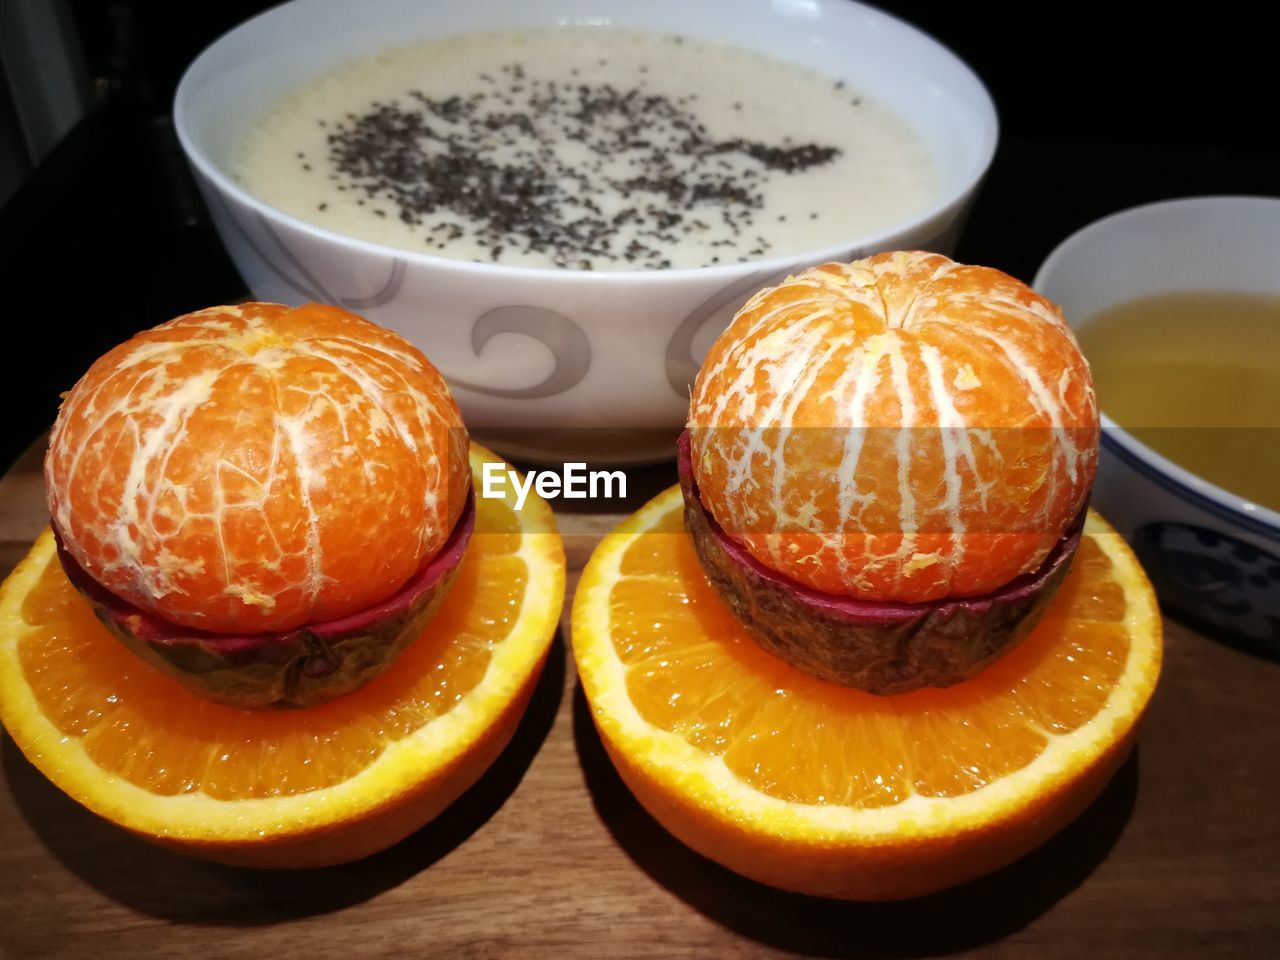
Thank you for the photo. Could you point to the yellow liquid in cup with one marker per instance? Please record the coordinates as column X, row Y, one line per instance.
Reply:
column 1196, row 377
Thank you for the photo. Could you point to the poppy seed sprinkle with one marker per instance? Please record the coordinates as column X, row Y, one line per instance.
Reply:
column 490, row 160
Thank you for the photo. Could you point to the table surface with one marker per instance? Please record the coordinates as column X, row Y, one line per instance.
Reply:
column 548, row 855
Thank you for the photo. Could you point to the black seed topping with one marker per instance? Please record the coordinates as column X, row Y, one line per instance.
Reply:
column 492, row 163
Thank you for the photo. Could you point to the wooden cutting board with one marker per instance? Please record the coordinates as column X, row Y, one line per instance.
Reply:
column 549, row 855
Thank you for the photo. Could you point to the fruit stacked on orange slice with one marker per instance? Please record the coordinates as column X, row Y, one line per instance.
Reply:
column 266, row 502
column 828, row 441
column 252, row 469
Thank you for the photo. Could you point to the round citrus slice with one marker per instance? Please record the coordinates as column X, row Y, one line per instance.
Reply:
column 295, row 788
column 822, row 789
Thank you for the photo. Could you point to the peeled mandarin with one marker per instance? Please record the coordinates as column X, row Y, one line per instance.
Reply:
column 257, row 467
column 900, row 428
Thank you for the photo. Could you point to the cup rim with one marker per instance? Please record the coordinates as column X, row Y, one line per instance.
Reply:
column 1176, row 479
column 988, row 124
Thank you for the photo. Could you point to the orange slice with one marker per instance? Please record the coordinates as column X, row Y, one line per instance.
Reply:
column 826, row 790
column 290, row 788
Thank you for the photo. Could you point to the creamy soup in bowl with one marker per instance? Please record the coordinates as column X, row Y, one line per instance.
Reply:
column 560, row 347
column 586, row 148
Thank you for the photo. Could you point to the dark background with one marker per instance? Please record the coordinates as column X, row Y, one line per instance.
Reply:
column 1102, row 106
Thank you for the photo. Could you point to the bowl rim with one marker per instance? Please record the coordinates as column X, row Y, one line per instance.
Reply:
column 1178, row 480
column 989, row 125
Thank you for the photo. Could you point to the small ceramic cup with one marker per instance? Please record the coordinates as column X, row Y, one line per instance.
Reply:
column 1213, row 556
column 560, row 364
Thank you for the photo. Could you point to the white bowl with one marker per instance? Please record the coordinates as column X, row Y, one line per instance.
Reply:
column 556, row 364
column 1212, row 555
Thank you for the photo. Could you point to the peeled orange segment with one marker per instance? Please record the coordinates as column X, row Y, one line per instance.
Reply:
column 324, row 785
column 821, row 789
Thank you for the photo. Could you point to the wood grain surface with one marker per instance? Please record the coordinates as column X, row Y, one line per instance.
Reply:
column 549, row 855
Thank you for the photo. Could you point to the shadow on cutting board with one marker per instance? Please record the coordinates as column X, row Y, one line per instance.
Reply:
column 164, row 884
column 961, row 918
